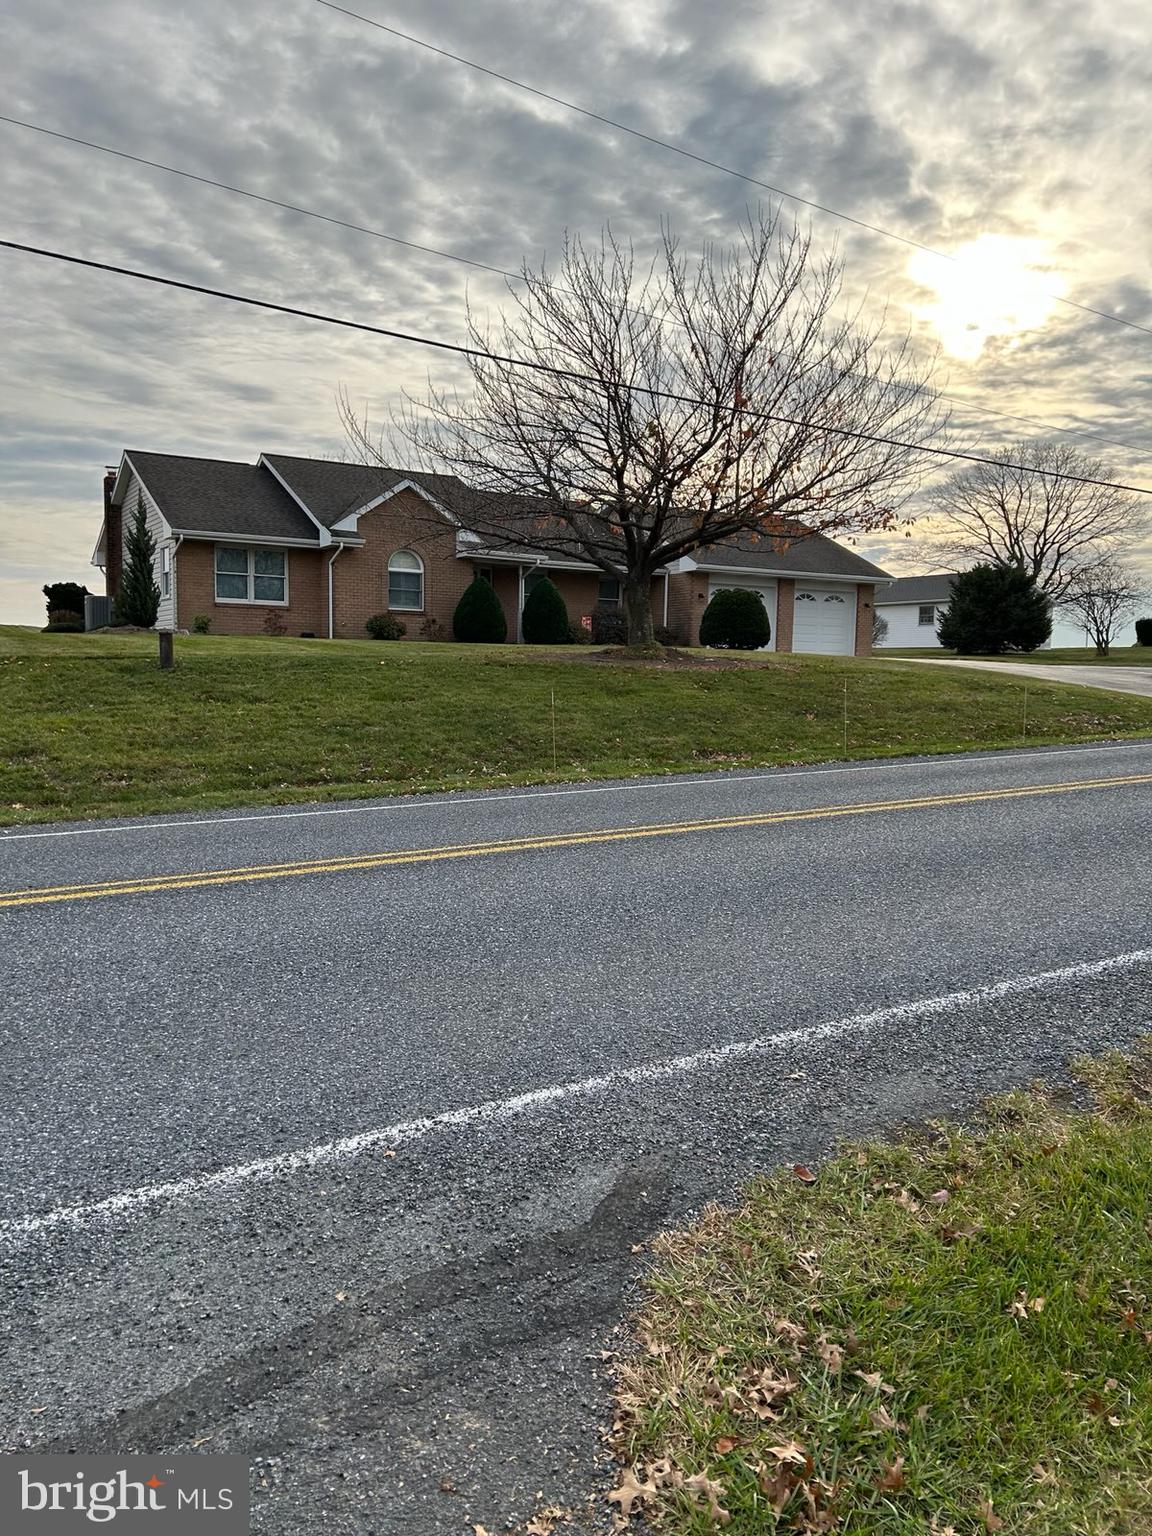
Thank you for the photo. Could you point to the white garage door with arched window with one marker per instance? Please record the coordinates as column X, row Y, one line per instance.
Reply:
column 825, row 620
column 406, row 581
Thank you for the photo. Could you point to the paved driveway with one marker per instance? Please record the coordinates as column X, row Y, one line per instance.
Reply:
column 326, row 1132
column 1116, row 679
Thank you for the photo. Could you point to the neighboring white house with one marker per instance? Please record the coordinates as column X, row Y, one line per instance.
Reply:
column 912, row 607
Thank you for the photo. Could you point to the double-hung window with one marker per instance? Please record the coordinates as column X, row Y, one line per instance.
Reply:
column 165, row 571
column 608, row 592
column 246, row 575
column 927, row 613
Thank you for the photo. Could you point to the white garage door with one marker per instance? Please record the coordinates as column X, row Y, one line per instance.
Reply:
column 825, row 622
column 766, row 591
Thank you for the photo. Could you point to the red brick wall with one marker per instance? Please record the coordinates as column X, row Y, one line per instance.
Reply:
column 785, row 612
column 865, row 599
column 360, row 576
column 196, row 594
column 687, row 599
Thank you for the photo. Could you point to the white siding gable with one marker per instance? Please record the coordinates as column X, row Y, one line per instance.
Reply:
column 162, row 533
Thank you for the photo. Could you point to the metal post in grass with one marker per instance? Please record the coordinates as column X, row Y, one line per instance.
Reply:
column 845, row 717
column 167, row 659
column 555, row 768
column 1025, row 712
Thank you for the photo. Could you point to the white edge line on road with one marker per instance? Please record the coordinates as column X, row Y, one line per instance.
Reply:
column 407, row 803
column 132, row 1202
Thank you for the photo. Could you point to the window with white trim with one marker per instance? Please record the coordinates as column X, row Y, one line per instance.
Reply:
column 406, row 581
column 927, row 613
column 249, row 575
column 608, row 592
column 165, row 571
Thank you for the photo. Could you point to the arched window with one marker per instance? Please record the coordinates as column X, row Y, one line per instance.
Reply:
column 406, row 581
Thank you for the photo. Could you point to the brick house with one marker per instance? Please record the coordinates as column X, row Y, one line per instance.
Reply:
column 323, row 546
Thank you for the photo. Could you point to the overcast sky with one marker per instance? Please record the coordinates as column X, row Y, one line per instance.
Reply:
column 1015, row 133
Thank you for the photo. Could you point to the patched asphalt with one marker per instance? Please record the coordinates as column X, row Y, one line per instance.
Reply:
column 412, row 1342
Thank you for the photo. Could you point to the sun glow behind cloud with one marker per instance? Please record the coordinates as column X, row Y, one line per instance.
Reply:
column 997, row 286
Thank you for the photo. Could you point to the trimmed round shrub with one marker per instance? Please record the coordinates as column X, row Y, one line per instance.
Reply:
column 735, row 620
column 479, row 618
column 1144, row 631
column 994, row 609
column 545, row 618
column 68, row 625
column 382, row 626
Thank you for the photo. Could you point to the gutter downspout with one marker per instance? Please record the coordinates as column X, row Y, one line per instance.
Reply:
column 172, row 582
column 339, row 550
column 665, row 599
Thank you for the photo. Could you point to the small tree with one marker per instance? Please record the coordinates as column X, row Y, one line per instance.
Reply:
column 736, row 620
column 545, row 620
column 1144, row 631
column 993, row 609
column 879, row 628
column 139, row 600
column 64, row 597
column 479, row 618
column 1100, row 599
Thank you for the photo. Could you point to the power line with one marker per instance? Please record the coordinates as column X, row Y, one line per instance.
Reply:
column 257, row 197
column 430, row 250
column 688, row 154
column 549, row 368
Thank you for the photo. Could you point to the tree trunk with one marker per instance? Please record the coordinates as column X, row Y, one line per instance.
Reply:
column 638, row 612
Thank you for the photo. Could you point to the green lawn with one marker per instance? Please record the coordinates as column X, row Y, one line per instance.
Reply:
column 1069, row 656
column 952, row 1333
column 90, row 727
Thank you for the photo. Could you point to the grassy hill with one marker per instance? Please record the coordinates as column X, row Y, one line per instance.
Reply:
column 90, row 727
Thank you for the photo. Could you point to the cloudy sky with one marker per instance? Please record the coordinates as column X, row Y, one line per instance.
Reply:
column 1017, row 135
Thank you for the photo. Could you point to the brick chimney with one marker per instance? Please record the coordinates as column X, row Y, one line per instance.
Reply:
column 113, row 536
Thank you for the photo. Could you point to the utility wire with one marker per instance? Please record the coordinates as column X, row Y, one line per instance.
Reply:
column 431, row 250
column 257, row 197
column 688, row 154
column 549, row 368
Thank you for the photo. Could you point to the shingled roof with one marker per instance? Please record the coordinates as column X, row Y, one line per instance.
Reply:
column 804, row 554
column 918, row 589
column 220, row 496
column 284, row 496
column 332, row 489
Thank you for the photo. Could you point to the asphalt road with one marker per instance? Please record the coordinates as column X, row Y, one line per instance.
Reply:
column 327, row 1133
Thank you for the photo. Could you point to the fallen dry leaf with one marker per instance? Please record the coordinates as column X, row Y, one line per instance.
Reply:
column 725, row 1444
column 941, row 1197
column 831, row 1354
column 711, row 1491
column 875, row 1381
column 992, row 1521
column 630, row 1490
column 203, row 1440
column 892, row 1479
column 793, row 1451
column 882, row 1419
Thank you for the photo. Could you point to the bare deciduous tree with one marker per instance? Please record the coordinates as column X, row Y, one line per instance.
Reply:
column 1101, row 599
column 695, row 401
column 1052, row 528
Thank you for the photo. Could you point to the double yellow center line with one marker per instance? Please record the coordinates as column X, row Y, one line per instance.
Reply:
column 143, row 884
